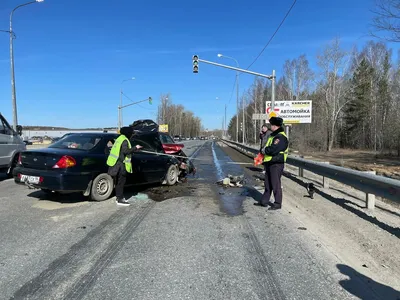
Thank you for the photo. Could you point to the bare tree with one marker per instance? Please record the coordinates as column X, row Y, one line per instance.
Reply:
column 386, row 23
column 179, row 120
column 333, row 63
column 304, row 75
column 289, row 71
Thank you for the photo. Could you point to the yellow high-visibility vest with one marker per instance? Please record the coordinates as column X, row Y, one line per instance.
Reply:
column 114, row 154
column 269, row 143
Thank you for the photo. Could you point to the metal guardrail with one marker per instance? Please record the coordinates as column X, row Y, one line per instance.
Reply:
column 387, row 188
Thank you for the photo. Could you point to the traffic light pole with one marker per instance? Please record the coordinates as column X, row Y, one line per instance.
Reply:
column 270, row 77
column 121, row 107
column 236, row 69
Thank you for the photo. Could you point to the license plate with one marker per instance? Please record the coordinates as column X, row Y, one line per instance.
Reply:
column 30, row 179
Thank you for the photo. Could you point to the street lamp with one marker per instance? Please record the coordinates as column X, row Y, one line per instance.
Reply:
column 12, row 37
column 224, row 125
column 237, row 99
column 120, row 103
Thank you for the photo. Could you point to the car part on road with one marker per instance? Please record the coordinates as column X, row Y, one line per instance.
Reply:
column 102, row 187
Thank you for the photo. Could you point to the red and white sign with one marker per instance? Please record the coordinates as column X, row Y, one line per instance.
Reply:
column 276, row 110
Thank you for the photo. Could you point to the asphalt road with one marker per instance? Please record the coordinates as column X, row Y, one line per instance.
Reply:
column 210, row 243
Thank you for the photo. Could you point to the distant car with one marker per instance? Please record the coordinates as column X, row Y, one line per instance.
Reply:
column 77, row 163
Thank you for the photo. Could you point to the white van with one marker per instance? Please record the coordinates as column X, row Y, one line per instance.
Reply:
column 11, row 145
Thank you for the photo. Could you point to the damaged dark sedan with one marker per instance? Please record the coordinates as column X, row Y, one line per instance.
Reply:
column 77, row 163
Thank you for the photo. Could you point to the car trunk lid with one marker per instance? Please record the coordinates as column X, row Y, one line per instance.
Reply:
column 43, row 159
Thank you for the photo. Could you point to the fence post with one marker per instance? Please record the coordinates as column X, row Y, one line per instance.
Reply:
column 301, row 170
column 370, row 198
column 325, row 180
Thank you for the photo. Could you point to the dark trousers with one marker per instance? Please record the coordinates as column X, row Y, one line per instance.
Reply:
column 272, row 183
column 120, row 180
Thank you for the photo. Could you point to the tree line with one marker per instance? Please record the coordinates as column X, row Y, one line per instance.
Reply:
column 355, row 94
column 180, row 121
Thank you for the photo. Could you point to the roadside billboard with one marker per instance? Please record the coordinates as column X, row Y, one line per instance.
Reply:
column 292, row 112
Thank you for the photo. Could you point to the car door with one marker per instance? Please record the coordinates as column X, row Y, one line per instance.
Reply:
column 152, row 162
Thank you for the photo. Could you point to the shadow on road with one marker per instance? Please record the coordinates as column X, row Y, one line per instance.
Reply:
column 57, row 197
column 356, row 286
column 155, row 192
column 3, row 177
column 255, row 169
column 345, row 204
column 376, row 206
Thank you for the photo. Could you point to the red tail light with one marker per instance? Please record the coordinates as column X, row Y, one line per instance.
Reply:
column 19, row 159
column 65, row 162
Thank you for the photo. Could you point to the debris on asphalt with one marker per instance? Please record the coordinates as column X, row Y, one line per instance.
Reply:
column 232, row 181
column 302, row 228
column 365, row 266
column 141, row 196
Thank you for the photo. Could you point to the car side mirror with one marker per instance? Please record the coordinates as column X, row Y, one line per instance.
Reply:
column 19, row 129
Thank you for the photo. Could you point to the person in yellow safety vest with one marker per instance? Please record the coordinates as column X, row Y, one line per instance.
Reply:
column 119, row 162
column 275, row 155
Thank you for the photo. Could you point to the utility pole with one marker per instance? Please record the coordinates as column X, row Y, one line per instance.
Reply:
column 273, row 80
column 255, row 122
column 237, row 94
column 120, row 115
column 120, row 110
column 237, row 107
column 12, row 37
column 243, row 118
column 225, row 128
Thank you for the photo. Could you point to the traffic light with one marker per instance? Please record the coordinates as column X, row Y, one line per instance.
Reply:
column 195, row 64
column 150, row 100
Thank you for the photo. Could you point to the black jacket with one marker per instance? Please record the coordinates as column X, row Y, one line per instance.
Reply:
column 279, row 144
column 124, row 151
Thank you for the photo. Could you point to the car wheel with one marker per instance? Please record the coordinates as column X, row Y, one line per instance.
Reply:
column 172, row 175
column 13, row 165
column 102, row 187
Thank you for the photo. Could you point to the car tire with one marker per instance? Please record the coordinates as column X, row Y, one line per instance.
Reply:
column 172, row 175
column 13, row 165
column 102, row 187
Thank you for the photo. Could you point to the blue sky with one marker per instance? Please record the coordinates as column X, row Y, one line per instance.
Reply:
column 71, row 55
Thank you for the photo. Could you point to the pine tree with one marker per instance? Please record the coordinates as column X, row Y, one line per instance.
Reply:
column 359, row 109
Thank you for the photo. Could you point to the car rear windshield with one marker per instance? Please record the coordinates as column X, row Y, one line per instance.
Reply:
column 77, row 141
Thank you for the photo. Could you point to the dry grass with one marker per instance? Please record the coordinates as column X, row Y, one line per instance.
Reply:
column 360, row 160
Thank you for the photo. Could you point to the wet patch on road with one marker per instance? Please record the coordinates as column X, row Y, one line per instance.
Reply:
column 231, row 199
column 161, row 193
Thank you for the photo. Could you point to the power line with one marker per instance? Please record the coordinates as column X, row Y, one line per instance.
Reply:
column 138, row 104
column 233, row 89
column 276, row 31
